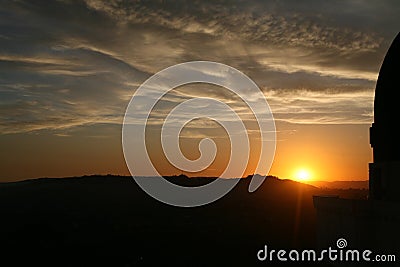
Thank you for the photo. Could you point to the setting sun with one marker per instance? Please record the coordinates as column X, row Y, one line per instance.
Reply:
column 302, row 175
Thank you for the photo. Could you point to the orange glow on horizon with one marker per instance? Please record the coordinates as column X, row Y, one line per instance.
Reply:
column 343, row 155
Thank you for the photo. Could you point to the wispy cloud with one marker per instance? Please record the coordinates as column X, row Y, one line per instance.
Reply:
column 321, row 107
column 72, row 63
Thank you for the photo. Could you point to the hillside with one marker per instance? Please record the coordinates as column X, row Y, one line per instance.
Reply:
column 110, row 221
column 340, row 184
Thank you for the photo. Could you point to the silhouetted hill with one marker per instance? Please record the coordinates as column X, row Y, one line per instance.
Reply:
column 110, row 221
column 340, row 184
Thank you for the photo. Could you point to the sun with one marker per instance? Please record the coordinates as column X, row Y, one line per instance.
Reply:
column 302, row 175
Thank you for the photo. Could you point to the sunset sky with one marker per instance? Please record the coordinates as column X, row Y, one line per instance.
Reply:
column 69, row 68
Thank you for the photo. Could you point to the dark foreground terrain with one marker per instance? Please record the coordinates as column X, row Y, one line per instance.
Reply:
column 110, row 221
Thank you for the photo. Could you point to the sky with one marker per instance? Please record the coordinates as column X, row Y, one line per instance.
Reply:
column 68, row 70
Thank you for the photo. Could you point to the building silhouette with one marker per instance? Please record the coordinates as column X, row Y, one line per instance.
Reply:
column 372, row 224
column 384, row 136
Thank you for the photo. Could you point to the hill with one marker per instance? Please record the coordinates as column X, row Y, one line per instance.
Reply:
column 110, row 221
column 340, row 184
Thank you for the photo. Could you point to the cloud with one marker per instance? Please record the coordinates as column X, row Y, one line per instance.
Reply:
column 243, row 22
column 308, row 107
column 70, row 63
column 63, row 88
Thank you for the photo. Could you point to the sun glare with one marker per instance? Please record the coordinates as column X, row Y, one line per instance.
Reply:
column 302, row 175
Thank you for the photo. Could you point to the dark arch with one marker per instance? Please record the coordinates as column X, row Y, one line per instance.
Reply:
column 384, row 138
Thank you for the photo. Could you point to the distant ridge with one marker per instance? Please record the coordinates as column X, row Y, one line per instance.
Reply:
column 181, row 179
column 184, row 180
column 340, row 184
